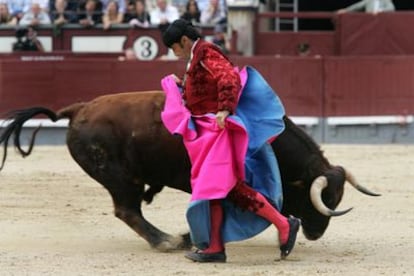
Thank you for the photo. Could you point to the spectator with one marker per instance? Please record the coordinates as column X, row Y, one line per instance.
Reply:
column 150, row 5
column 63, row 11
column 220, row 39
column 43, row 4
column 89, row 14
column 27, row 40
column 213, row 14
column 140, row 17
column 18, row 7
column 164, row 13
column 5, row 17
column 112, row 15
column 180, row 5
column 121, row 5
column 72, row 5
column 370, row 6
column 35, row 16
column 129, row 54
column 303, row 49
column 192, row 12
column 203, row 4
column 129, row 10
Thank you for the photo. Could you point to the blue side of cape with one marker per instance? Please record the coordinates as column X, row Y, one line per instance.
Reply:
column 261, row 112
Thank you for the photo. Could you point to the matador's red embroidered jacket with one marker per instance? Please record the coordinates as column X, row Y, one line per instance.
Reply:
column 211, row 83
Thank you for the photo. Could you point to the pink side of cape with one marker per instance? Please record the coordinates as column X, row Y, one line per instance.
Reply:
column 215, row 167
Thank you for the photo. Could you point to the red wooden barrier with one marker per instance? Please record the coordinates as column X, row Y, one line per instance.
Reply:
column 287, row 42
column 389, row 33
column 369, row 86
column 380, row 34
column 330, row 86
column 58, row 83
column 297, row 81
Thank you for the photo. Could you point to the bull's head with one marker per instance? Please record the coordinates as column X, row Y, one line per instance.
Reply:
column 326, row 193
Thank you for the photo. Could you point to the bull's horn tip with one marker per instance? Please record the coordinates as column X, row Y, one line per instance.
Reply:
column 367, row 192
column 340, row 213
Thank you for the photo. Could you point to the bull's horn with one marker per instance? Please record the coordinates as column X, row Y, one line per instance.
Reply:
column 352, row 180
column 317, row 187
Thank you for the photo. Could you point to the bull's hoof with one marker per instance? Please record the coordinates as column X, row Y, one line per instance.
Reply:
column 174, row 243
column 164, row 246
column 286, row 248
column 186, row 242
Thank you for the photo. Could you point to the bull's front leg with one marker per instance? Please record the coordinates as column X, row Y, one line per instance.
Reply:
column 155, row 237
column 127, row 204
column 127, row 192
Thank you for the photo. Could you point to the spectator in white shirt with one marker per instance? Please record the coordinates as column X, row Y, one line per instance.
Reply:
column 35, row 16
column 164, row 13
column 213, row 14
column 44, row 5
column 203, row 4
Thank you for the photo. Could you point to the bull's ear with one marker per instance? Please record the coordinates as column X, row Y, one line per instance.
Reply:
column 158, row 105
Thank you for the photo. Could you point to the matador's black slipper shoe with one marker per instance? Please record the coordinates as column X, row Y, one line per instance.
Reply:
column 199, row 256
column 285, row 249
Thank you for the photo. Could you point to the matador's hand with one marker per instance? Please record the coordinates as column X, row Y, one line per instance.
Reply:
column 177, row 80
column 221, row 117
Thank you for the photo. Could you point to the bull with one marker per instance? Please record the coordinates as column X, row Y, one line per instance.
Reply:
column 120, row 141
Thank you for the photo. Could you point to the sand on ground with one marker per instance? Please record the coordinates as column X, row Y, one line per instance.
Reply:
column 55, row 220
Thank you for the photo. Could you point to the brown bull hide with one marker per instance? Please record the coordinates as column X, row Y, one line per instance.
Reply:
column 120, row 141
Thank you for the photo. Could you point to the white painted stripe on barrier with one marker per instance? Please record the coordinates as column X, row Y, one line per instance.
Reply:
column 370, row 120
column 38, row 122
column 299, row 120
column 305, row 121
column 100, row 44
column 308, row 121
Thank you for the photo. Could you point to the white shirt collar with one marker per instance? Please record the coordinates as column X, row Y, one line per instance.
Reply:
column 192, row 54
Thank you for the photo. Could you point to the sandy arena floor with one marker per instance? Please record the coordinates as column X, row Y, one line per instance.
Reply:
column 55, row 220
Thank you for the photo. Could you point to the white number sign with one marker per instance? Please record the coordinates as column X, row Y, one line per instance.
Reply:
column 146, row 48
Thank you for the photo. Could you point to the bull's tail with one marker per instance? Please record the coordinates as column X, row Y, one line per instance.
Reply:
column 16, row 120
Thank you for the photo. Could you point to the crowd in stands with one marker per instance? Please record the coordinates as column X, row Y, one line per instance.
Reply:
column 108, row 13
column 137, row 13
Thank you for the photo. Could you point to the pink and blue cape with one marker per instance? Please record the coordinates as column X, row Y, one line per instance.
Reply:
column 216, row 168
